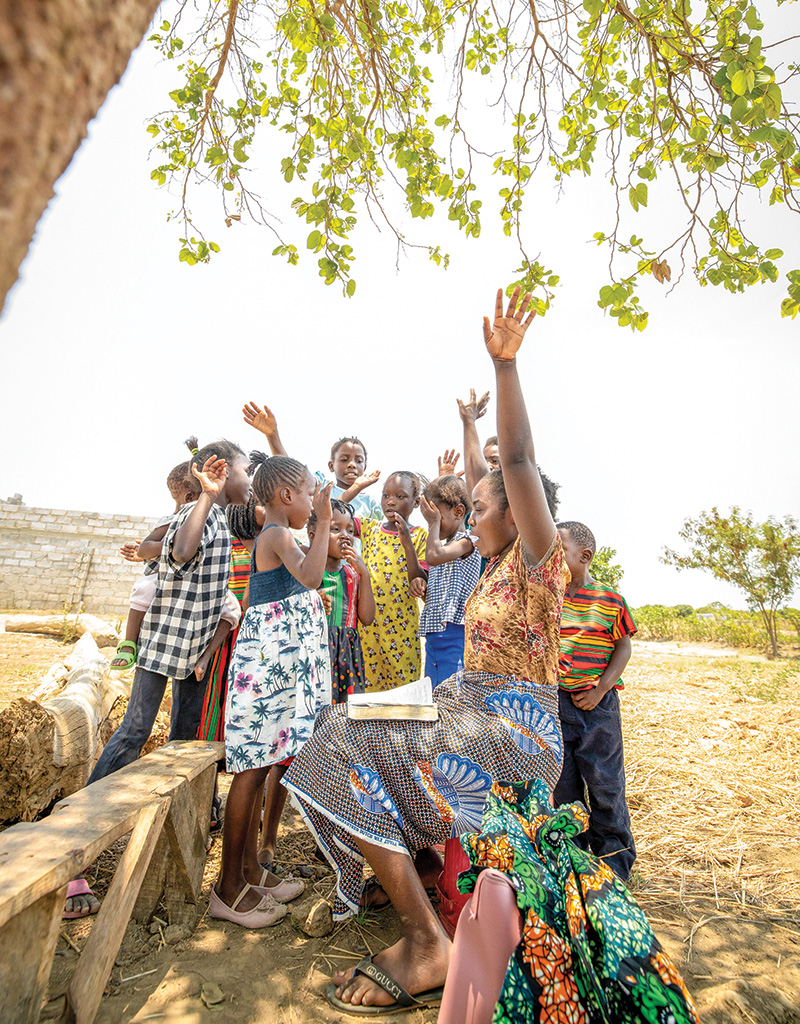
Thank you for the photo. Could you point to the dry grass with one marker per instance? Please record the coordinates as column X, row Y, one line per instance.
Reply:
column 713, row 756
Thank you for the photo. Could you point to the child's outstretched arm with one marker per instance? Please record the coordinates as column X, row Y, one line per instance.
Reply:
column 150, row 548
column 470, row 412
column 523, row 484
column 360, row 484
column 306, row 568
column 587, row 700
column 366, row 599
column 212, row 479
column 414, row 569
column 264, row 421
column 437, row 553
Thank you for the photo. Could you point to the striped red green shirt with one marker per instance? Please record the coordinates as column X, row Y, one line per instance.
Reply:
column 592, row 620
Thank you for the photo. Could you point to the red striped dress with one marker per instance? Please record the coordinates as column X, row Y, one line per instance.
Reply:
column 212, row 722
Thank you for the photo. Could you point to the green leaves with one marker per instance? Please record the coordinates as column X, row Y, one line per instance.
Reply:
column 638, row 195
column 353, row 114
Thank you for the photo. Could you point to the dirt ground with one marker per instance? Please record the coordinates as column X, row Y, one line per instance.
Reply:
column 712, row 744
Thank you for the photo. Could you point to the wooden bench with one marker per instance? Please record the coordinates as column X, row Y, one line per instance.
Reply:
column 164, row 801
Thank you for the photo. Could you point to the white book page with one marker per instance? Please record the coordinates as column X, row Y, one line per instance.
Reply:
column 418, row 692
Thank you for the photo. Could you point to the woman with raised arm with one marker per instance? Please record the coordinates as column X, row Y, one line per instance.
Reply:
column 382, row 791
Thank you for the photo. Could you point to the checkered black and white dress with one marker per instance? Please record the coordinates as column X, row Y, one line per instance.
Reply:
column 187, row 607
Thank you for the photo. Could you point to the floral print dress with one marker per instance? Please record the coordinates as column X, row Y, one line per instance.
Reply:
column 391, row 647
column 405, row 785
column 588, row 954
column 280, row 675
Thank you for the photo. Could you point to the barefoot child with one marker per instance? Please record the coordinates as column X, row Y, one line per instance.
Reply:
column 279, row 681
column 395, row 556
column 455, row 567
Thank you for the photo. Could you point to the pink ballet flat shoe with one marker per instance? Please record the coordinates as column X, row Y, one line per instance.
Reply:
column 264, row 914
column 284, row 892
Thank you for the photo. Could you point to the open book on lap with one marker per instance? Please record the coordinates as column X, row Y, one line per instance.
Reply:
column 412, row 702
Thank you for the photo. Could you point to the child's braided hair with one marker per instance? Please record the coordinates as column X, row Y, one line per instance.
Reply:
column 417, row 480
column 337, row 505
column 222, row 449
column 271, row 472
column 242, row 520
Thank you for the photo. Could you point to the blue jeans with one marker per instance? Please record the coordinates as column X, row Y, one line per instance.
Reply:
column 147, row 693
column 444, row 653
column 593, row 761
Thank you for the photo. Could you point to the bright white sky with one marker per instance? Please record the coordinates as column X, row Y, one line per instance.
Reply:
column 115, row 352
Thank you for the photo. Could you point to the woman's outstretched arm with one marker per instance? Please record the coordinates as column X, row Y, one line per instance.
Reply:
column 523, row 484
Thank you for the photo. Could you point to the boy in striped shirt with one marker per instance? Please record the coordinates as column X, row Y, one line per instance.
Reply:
column 596, row 631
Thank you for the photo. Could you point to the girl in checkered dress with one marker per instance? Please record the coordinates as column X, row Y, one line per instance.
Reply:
column 280, row 679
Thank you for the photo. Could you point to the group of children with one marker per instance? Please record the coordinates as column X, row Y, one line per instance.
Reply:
column 260, row 628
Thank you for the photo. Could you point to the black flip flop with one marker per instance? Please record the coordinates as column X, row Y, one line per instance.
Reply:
column 404, row 1001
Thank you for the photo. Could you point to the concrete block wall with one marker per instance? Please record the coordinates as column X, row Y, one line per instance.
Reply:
column 50, row 558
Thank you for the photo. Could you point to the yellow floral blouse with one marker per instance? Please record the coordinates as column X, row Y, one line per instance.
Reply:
column 513, row 617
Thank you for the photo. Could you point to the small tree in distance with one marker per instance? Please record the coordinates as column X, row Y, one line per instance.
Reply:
column 604, row 570
column 761, row 559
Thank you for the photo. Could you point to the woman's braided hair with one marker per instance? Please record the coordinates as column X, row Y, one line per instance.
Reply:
column 271, row 472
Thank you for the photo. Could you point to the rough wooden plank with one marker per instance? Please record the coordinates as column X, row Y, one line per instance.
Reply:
column 86, row 988
column 27, row 946
column 182, row 886
column 38, row 857
column 152, row 888
column 186, row 836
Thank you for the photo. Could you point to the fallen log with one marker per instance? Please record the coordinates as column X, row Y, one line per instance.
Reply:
column 48, row 749
column 65, row 627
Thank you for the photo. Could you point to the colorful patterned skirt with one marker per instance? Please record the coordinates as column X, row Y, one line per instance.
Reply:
column 347, row 663
column 212, row 719
column 588, row 954
column 408, row 785
column 280, row 681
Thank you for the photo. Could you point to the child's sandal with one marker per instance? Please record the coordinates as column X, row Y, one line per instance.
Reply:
column 125, row 658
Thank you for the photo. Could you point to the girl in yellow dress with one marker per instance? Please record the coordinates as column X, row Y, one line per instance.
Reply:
column 395, row 556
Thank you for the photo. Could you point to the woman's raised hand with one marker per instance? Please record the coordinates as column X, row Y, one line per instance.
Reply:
column 212, row 476
column 474, row 408
column 504, row 337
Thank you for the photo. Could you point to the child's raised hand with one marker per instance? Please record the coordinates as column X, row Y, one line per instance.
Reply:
column 260, row 419
column 418, row 587
column 473, row 409
column 327, row 601
column 367, row 480
column 397, row 521
column 448, row 463
column 504, row 337
column 430, row 513
column 352, row 557
column 322, row 501
column 129, row 552
column 212, row 476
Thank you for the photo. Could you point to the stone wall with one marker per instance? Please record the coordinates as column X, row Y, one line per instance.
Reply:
column 50, row 558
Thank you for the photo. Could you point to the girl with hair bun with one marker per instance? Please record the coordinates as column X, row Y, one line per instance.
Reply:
column 279, row 681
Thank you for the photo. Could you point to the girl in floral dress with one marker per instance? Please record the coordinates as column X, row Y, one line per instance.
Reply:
column 280, row 680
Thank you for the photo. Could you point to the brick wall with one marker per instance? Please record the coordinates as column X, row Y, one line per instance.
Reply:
column 52, row 557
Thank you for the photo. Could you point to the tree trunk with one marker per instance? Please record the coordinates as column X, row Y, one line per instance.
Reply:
column 58, row 60
column 65, row 627
column 47, row 750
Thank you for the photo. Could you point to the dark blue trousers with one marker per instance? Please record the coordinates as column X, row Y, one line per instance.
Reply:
column 444, row 653
column 593, row 762
column 147, row 693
